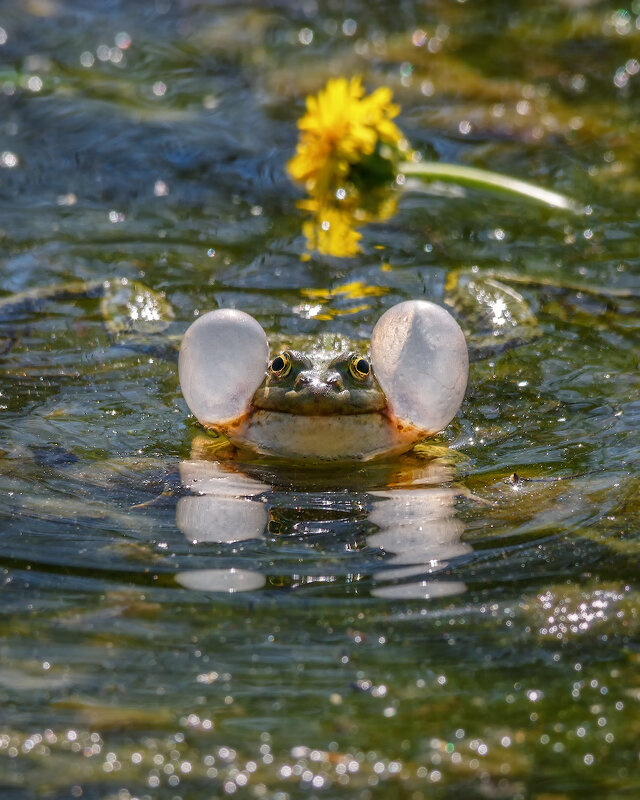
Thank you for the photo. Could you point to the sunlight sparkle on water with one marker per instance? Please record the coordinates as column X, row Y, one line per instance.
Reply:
column 160, row 189
column 499, row 308
column 565, row 615
column 143, row 308
column 8, row 159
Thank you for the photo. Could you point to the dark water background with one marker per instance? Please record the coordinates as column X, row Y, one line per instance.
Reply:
column 147, row 141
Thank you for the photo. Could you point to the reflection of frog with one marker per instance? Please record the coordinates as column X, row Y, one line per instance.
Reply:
column 405, row 509
column 308, row 407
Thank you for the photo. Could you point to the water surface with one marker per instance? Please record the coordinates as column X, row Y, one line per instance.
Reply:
column 425, row 628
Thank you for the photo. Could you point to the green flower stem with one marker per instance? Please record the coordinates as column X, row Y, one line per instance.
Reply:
column 484, row 179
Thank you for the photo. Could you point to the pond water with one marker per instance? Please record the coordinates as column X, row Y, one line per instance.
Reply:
column 175, row 625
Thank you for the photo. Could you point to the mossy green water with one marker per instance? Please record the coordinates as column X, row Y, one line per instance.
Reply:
column 148, row 142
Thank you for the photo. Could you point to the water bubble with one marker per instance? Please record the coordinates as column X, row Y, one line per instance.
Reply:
column 427, row 88
column 418, row 38
column 406, row 68
column 621, row 78
column 160, row 189
column 349, row 27
column 123, row 40
column 578, row 82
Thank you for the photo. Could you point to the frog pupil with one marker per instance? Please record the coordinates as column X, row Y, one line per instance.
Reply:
column 278, row 364
column 362, row 366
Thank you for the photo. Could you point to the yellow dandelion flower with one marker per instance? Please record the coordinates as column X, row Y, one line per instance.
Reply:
column 340, row 128
column 348, row 152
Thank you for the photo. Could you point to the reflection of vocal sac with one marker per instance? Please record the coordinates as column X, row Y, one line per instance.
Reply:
column 413, row 512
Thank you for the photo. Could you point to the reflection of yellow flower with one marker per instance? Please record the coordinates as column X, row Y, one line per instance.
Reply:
column 340, row 128
column 349, row 298
column 331, row 229
column 330, row 232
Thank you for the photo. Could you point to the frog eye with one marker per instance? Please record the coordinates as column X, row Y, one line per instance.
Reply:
column 359, row 367
column 281, row 365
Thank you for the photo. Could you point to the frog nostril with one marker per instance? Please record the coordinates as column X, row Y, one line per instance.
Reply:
column 336, row 383
column 303, row 379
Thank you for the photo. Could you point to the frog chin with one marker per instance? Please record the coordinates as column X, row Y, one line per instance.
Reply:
column 340, row 437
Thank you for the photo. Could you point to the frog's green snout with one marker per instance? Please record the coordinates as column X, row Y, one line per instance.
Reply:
column 308, row 382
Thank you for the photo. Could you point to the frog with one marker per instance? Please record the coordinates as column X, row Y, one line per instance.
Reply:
column 355, row 406
column 345, row 411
